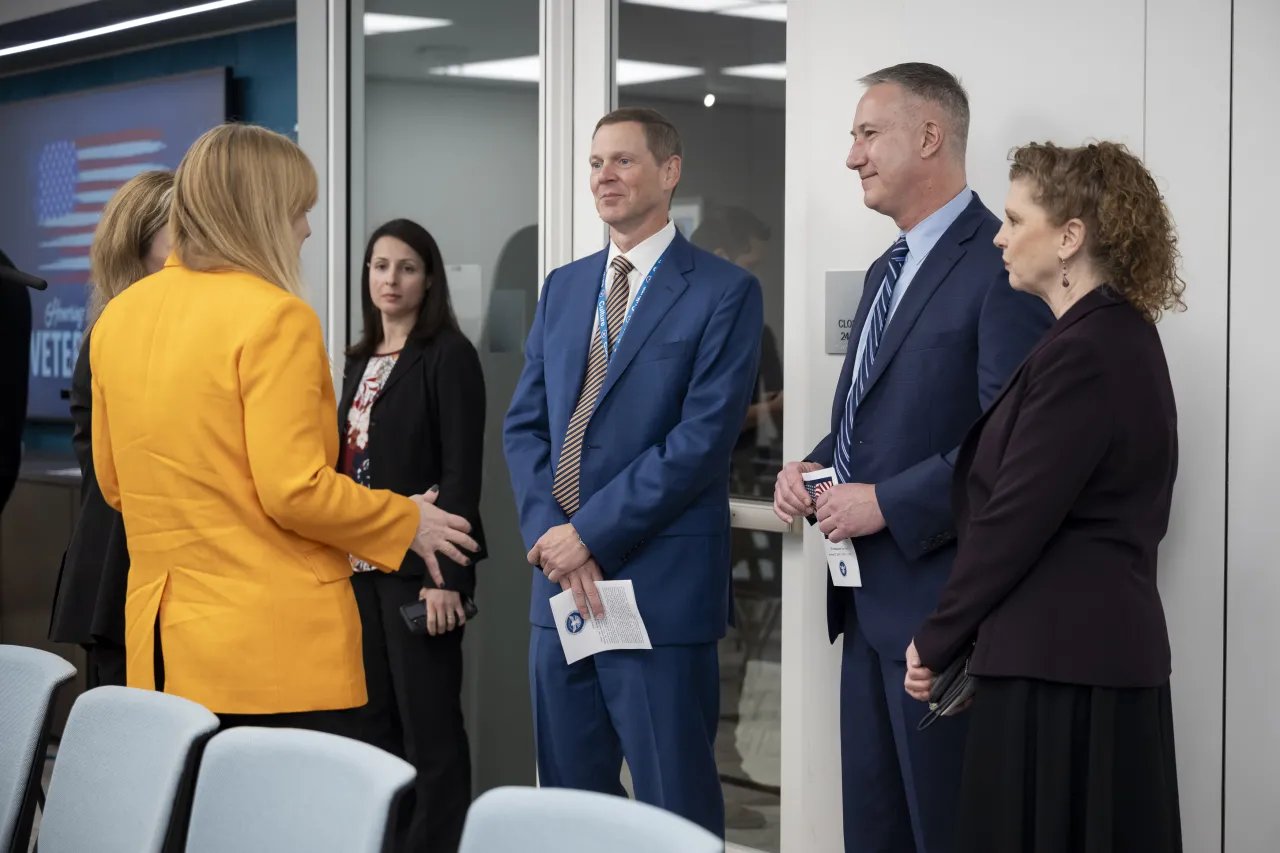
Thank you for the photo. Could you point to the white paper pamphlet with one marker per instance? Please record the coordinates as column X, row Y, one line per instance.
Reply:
column 842, row 560
column 621, row 627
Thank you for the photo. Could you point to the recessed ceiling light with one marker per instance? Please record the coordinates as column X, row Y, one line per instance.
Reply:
column 709, row 100
column 691, row 5
column 767, row 10
column 761, row 11
column 633, row 72
column 123, row 25
column 377, row 23
column 764, row 71
column 526, row 69
column 520, row 69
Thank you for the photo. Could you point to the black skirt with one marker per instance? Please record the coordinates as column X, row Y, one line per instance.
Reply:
column 1055, row 768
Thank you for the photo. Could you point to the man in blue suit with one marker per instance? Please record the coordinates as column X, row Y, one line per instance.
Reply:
column 640, row 366
column 940, row 332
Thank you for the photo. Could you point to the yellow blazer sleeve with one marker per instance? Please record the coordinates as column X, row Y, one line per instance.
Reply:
column 104, row 463
column 290, row 424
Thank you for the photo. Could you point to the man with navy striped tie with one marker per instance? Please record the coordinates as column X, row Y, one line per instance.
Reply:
column 941, row 331
column 639, row 368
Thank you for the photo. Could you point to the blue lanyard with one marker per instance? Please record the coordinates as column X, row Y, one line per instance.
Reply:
column 626, row 320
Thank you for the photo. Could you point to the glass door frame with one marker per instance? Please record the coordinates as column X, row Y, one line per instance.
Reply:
column 594, row 38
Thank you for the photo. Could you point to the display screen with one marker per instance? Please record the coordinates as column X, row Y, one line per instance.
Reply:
column 61, row 160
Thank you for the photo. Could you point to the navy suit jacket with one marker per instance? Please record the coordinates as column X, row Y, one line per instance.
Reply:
column 654, row 481
column 957, row 335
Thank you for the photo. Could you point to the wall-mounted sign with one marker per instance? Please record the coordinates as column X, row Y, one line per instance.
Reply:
column 844, row 291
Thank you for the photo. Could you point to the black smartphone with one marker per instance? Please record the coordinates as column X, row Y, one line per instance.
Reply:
column 415, row 614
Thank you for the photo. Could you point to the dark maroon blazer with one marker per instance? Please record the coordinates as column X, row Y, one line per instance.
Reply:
column 1062, row 495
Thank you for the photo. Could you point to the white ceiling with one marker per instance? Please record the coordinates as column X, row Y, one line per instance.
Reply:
column 485, row 31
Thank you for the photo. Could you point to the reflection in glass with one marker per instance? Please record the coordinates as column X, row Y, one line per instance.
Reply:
column 720, row 76
column 450, row 93
column 717, row 70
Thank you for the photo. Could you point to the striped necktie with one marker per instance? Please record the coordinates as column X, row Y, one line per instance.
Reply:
column 875, row 333
column 565, row 488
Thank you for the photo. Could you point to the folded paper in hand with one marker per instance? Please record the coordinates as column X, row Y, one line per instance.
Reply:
column 842, row 560
column 621, row 627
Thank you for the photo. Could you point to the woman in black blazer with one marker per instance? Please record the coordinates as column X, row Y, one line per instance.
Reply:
column 411, row 418
column 1062, row 496
column 130, row 243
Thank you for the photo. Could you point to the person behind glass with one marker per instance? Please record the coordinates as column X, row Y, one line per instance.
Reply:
column 737, row 235
column 1062, row 497
column 213, row 434
column 131, row 242
column 412, row 419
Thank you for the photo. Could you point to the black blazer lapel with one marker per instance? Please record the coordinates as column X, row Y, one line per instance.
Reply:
column 1089, row 303
column 405, row 364
column 667, row 285
column 352, row 373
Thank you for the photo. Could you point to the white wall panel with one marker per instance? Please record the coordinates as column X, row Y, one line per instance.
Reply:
column 1253, row 589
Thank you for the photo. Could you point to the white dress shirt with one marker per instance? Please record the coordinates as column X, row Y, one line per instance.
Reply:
column 642, row 258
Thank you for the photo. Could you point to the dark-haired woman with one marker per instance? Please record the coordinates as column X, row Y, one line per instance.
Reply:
column 412, row 418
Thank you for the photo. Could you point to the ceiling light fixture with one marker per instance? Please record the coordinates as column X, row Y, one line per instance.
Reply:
column 123, row 25
column 526, row 69
column 765, row 10
column 520, row 69
column 377, row 23
column 709, row 100
column 763, row 71
column 760, row 11
column 634, row 72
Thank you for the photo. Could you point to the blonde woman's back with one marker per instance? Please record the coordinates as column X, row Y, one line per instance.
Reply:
column 215, row 434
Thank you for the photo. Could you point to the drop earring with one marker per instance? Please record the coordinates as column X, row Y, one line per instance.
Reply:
column 1065, row 282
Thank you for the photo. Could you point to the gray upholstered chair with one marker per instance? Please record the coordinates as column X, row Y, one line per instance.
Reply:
column 552, row 820
column 270, row 790
column 31, row 679
column 120, row 766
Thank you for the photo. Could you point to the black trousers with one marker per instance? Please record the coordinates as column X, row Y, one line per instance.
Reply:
column 415, row 710
column 105, row 662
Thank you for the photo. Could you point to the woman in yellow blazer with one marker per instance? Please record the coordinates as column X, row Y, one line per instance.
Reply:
column 213, row 411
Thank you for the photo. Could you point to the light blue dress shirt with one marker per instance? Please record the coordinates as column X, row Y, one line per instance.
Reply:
column 920, row 241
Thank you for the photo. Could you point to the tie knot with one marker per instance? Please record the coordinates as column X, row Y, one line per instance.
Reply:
column 900, row 248
column 621, row 266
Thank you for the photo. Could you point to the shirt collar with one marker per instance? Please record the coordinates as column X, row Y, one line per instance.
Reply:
column 646, row 254
column 922, row 238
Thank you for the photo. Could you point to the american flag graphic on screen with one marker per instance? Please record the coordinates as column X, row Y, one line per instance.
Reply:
column 75, row 180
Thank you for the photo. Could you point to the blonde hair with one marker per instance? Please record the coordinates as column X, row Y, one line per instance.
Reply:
column 236, row 195
column 130, row 221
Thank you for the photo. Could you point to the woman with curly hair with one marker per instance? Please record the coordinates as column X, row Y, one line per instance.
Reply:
column 1062, row 495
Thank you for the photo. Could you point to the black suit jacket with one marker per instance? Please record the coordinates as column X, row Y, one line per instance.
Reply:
column 427, row 429
column 88, row 603
column 15, row 370
column 1062, row 496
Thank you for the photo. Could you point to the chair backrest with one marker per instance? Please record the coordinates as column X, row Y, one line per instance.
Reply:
column 269, row 790
column 29, row 681
column 120, row 763
column 552, row 820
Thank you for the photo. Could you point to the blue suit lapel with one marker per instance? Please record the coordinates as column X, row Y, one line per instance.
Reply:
column 869, row 290
column 667, row 285
column 949, row 249
column 575, row 324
